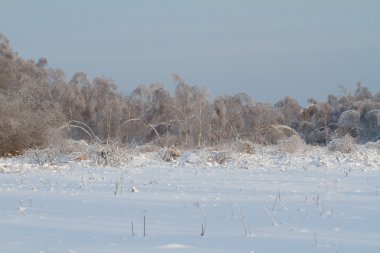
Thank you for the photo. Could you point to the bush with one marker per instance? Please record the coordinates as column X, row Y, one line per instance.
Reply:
column 305, row 130
column 273, row 134
column 246, row 147
column 373, row 145
column 349, row 123
column 292, row 145
column 370, row 126
column 170, row 154
column 219, row 157
column 345, row 144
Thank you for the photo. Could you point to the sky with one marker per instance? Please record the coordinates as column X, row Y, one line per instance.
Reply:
column 267, row 49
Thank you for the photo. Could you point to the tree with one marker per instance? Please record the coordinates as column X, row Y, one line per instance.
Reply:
column 290, row 108
column 190, row 105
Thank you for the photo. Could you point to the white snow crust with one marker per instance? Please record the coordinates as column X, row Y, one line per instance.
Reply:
column 269, row 201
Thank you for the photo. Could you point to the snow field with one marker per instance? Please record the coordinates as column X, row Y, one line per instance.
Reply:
column 314, row 201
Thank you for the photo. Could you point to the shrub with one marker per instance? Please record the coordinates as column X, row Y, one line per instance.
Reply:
column 246, row 147
column 305, row 129
column 373, row 145
column 292, row 145
column 170, row 154
column 272, row 134
column 349, row 123
column 219, row 157
column 370, row 126
column 345, row 144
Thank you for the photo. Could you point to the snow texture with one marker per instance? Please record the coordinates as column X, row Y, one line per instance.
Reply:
column 269, row 201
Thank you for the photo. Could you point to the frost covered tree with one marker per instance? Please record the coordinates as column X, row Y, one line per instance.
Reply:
column 37, row 101
column 349, row 123
column 290, row 108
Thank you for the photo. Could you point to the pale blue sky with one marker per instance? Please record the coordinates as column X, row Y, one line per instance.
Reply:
column 268, row 49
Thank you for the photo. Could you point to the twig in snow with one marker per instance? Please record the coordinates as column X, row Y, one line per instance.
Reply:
column 21, row 209
column 247, row 229
column 116, row 188
column 274, row 203
column 317, row 198
column 119, row 185
column 203, row 226
column 231, row 207
column 274, row 223
column 144, row 225
column 278, row 197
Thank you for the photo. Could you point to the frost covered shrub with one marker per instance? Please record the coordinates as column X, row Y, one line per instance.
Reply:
column 148, row 148
column 320, row 136
column 373, row 145
column 345, row 144
column 349, row 123
column 305, row 129
column 374, row 119
column 366, row 106
column 269, row 135
column 292, row 145
column 219, row 157
column 70, row 146
column 370, row 126
column 246, row 147
column 170, row 154
column 111, row 154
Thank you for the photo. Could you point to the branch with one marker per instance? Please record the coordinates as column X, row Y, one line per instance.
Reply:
column 147, row 124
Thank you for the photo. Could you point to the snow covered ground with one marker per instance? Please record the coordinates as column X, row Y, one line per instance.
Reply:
column 270, row 201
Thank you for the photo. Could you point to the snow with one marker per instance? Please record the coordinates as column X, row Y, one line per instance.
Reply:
column 270, row 201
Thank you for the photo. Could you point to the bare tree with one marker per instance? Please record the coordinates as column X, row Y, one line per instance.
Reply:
column 37, row 100
column 290, row 108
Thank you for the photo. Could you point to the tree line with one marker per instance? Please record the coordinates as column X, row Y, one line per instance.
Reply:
column 38, row 103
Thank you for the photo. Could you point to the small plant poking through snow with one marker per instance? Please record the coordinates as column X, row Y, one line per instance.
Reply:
column 203, row 225
column 246, row 227
column 191, row 196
